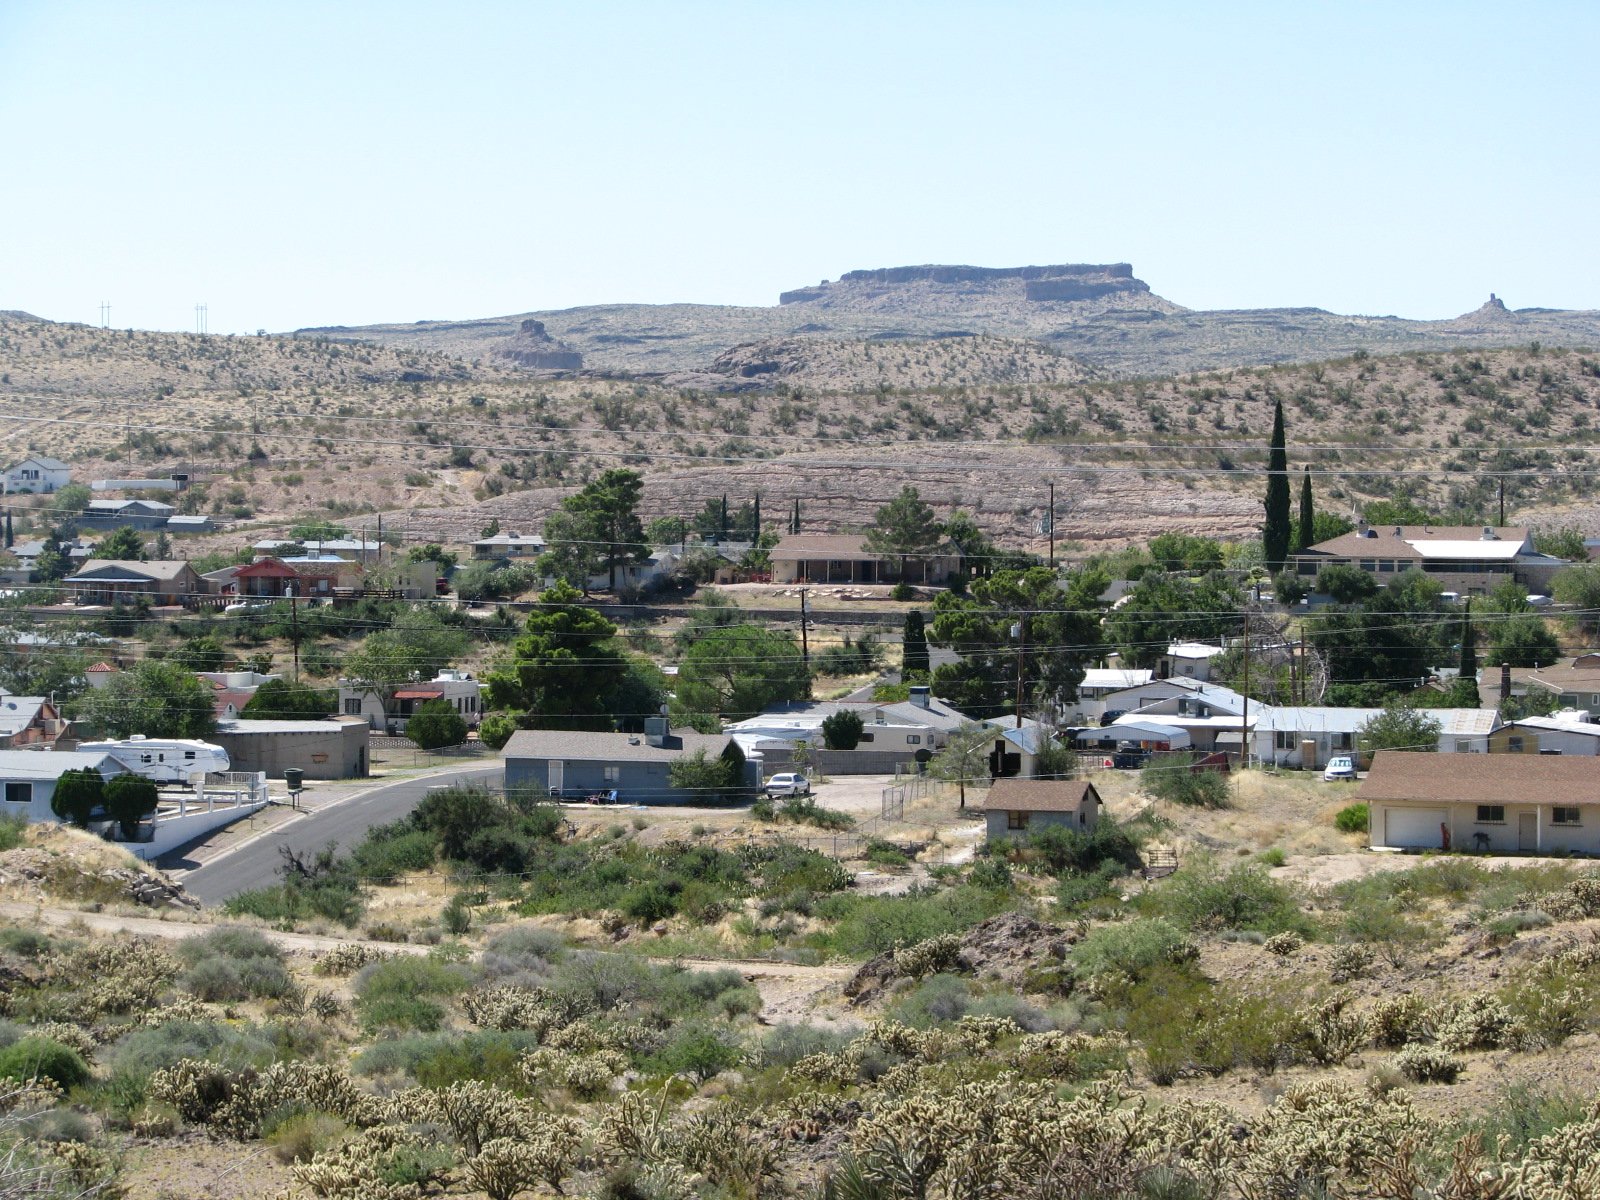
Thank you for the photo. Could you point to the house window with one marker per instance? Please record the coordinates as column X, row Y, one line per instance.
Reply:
column 1463, row 746
column 1083, row 817
column 865, row 737
column 1564, row 816
column 1385, row 565
column 1017, row 820
column 352, row 706
column 912, row 739
column 1491, row 814
column 1284, row 739
column 1344, row 741
column 19, row 793
column 1369, row 564
column 613, row 774
column 1514, row 744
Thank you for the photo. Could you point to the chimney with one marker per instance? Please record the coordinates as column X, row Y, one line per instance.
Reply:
column 1505, row 682
column 919, row 697
column 655, row 731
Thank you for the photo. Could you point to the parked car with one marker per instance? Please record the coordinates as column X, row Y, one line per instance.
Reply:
column 247, row 606
column 1110, row 715
column 788, row 783
column 1341, row 766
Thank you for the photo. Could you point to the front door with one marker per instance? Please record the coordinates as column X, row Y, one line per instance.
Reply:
column 1527, row 831
column 556, row 776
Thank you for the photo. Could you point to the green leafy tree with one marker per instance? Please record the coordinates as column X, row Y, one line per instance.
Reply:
column 1306, row 528
column 1566, row 542
column 1325, row 526
column 1522, row 640
column 53, row 563
column 1185, row 552
column 664, row 531
column 161, row 548
column 155, row 698
column 1399, row 727
column 1062, row 636
column 317, row 530
column 565, row 669
column 71, row 502
column 491, row 529
column 914, row 642
column 78, row 793
column 128, row 800
column 1464, row 691
column 1380, row 642
column 903, row 527
column 436, row 723
column 1580, row 587
column 707, row 777
column 970, row 542
column 283, row 700
column 11, row 537
column 417, row 645
column 1162, row 609
column 1346, row 584
column 434, row 553
column 121, row 545
column 1275, row 529
column 794, row 517
column 736, row 671
column 203, row 653
column 842, row 730
column 964, row 758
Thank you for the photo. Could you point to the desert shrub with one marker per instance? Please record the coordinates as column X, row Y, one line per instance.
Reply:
column 1203, row 896
column 1385, row 922
column 390, row 851
column 937, row 1000
column 1062, row 850
column 1352, row 818
column 18, row 939
column 440, row 1059
column 887, row 854
column 1170, row 778
column 12, row 829
column 786, row 1044
column 1075, row 890
column 301, row 1135
column 804, row 810
column 144, row 1051
column 697, row 1050
column 402, row 992
column 40, row 1058
column 1521, row 1113
column 868, row 925
column 1428, row 1064
column 524, row 950
column 233, row 963
column 1271, row 857
column 1131, row 948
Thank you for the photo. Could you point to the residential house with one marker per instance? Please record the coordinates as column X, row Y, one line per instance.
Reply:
column 1213, row 716
column 356, row 550
column 1470, row 560
column 508, row 546
column 27, row 552
column 1132, row 733
column 1307, row 736
column 1020, row 807
column 1188, row 660
column 1100, row 682
column 1016, row 749
column 647, row 576
column 636, row 766
column 1499, row 803
column 844, row 558
column 190, row 523
column 459, row 689
column 28, row 778
column 277, row 578
column 111, row 581
column 29, row 722
column 1574, row 684
column 784, row 725
column 36, row 474
column 222, row 582
column 233, row 690
column 131, row 514
column 1571, row 733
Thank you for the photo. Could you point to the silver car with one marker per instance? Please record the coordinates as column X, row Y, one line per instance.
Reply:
column 1341, row 766
column 788, row 783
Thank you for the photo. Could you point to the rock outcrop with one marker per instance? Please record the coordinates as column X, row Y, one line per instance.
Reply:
column 531, row 347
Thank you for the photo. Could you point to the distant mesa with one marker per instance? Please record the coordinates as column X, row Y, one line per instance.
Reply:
column 1062, row 282
column 532, row 348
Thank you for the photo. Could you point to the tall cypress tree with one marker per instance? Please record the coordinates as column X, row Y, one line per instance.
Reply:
column 755, row 535
column 1275, row 531
column 10, row 537
column 1308, row 514
column 794, row 519
column 722, row 520
column 1465, row 692
column 914, row 659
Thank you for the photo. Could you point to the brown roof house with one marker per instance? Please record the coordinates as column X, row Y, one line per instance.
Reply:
column 845, row 558
column 1492, row 803
column 1469, row 559
column 113, row 581
column 1018, row 807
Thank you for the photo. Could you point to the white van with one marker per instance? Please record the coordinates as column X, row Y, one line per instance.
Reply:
column 165, row 760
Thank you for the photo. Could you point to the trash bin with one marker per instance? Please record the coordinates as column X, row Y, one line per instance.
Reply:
column 293, row 778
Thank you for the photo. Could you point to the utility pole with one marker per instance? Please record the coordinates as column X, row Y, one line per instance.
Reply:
column 1022, row 650
column 294, row 619
column 1051, row 521
column 1244, row 719
column 805, row 645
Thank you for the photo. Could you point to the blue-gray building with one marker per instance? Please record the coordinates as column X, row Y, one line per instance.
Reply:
column 575, row 763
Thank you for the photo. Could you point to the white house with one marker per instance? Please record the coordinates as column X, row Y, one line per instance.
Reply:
column 1214, row 717
column 508, row 545
column 29, row 777
column 1285, row 735
column 1100, row 682
column 1188, row 660
column 37, row 474
column 784, row 725
column 644, row 576
column 457, row 688
column 1090, row 710
column 1539, row 804
column 1570, row 732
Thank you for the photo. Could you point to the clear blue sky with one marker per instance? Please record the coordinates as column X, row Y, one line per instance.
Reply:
column 298, row 164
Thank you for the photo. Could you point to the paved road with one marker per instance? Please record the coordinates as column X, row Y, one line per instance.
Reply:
column 254, row 864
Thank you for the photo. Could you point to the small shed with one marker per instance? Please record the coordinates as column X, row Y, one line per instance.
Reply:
column 1018, row 807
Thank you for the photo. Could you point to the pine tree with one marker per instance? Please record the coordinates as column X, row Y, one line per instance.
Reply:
column 1308, row 514
column 903, row 527
column 1275, row 531
column 914, row 659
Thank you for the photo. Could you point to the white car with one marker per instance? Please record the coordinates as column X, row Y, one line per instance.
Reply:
column 245, row 606
column 1341, row 766
column 788, row 783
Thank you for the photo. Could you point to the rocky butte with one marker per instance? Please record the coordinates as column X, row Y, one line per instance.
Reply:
column 1063, row 281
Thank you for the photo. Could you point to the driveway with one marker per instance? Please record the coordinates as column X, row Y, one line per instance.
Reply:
column 254, row 863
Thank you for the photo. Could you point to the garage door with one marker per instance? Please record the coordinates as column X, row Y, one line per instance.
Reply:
column 1414, row 828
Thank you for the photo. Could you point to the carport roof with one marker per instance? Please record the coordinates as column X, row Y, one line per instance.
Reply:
column 1423, row 778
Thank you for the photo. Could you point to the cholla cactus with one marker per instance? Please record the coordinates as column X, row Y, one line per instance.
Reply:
column 1564, row 1165
column 91, row 1171
column 840, row 1069
column 636, row 1130
column 72, row 1036
column 1396, row 1020
column 348, row 959
column 1480, row 1022
column 726, row 1149
column 587, row 1076
column 929, row 957
column 512, row 1007
column 356, row 1169
column 235, row 1103
column 979, row 1033
column 1058, row 1055
column 113, row 977
column 1349, row 962
column 1283, row 944
column 1428, row 1064
column 545, row 1152
column 1579, row 899
column 476, row 1112
column 588, row 1035
column 1329, row 1032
